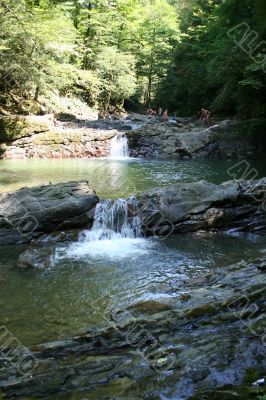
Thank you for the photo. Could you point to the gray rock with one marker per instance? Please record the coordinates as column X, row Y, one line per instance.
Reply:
column 36, row 258
column 189, row 207
column 214, row 340
column 189, row 140
column 31, row 212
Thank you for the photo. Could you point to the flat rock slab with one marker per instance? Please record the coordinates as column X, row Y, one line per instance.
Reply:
column 30, row 212
column 190, row 207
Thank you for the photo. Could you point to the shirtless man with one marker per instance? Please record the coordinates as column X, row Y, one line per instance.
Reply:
column 205, row 115
column 165, row 115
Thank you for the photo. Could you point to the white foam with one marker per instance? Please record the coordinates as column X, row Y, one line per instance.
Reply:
column 115, row 249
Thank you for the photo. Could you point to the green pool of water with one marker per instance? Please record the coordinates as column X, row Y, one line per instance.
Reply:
column 113, row 179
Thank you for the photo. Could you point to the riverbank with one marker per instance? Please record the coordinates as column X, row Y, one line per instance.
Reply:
column 66, row 136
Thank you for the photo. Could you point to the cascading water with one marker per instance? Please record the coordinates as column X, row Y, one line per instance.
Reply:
column 115, row 220
column 119, row 147
column 116, row 232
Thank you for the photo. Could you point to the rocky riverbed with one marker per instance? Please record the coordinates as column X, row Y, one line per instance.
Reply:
column 206, row 341
column 203, row 337
column 65, row 136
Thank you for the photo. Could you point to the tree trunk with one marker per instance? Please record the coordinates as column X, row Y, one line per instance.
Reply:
column 76, row 14
column 150, row 80
column 37, row 92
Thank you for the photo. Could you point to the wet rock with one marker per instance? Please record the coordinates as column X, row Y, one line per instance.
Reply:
column 32, row 212
column 148, row 353
column 165, row 351
column 203, row 206
column 36, row 258
column 261, row 265
column 152, row 306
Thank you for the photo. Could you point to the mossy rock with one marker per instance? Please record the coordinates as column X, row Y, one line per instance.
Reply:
column 16, row 127
column 57, row 137
column 66, row 117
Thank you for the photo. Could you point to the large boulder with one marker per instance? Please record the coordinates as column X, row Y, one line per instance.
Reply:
column 189, row 140
column 30, row 212
column 190, row 207
column 60, row 142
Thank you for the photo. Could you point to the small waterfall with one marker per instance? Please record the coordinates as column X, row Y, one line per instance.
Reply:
column 116, row 233
column 115, row 220
column 119, row 147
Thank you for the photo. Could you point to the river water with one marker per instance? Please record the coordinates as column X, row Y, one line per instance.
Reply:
column 121, row 178
column 86, row 277
column 122, row 271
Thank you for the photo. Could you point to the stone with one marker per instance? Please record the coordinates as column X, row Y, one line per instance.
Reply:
column 36, row 258
column 190, row 140
column 32, row 212
column 205, row 347
column 203, row 206
column 66, row 117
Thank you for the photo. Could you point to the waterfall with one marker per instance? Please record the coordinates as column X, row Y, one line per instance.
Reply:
column 116, row 233
column 115, row 220
column 119, row 147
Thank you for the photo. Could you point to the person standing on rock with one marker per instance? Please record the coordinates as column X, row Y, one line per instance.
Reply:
column 205, row 115
column 165, row 116
column 149, row 112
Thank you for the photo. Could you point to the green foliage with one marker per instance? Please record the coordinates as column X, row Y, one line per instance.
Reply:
column 178, row 54
column 209, row 68
column 116, row 73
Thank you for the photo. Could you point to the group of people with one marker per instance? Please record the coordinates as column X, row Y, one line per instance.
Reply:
column 160, row 114
column 163, row 116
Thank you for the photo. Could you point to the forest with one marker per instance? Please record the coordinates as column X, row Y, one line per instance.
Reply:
column 132, row 199
column 178, row 54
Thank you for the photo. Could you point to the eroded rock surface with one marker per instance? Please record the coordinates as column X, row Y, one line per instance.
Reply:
column 30, row 212
column 211, row 338
column 190, row 207
column 49, row 137
column 188, row 140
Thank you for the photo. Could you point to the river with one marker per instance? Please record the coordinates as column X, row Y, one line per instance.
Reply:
column 72, row 295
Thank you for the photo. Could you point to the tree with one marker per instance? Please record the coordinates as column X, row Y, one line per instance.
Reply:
column 116, row 72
